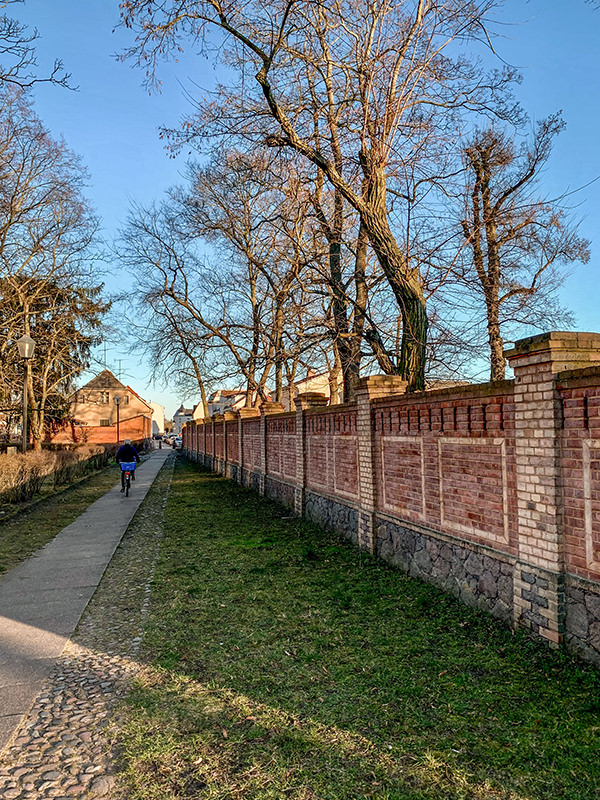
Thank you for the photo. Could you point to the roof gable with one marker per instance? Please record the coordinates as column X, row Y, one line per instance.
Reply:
column 104, row 380
column 141, row 399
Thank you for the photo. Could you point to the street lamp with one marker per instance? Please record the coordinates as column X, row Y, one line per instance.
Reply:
column 117, row 402
column 26, row 347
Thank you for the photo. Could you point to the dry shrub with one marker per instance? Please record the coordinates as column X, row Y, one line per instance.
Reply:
column 73, row 464
column 22, row 476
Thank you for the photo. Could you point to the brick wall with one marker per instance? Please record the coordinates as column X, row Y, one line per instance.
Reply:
column 135, row 428
column 447, row 461
column 491, row 492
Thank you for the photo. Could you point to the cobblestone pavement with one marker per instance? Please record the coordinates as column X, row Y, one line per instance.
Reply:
column 65, row 746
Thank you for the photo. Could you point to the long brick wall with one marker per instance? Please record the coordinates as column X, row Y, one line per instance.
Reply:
column 491, row 492
column 135, row 428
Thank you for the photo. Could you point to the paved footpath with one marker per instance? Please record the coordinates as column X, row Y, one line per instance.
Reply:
column 41, row 603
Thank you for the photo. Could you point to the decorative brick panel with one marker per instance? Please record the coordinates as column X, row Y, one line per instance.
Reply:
column 251, row 441
column 402, row 471
column 474, row 488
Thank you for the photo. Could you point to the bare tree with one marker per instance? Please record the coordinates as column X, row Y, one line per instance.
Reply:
column 224, row 306
column 388, row 72
column 18, row 62
column 520, row 243
column 241, row 205
column 47, row 256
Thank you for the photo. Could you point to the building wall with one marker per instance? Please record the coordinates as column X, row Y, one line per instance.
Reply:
column 136, row 429
column 99, row 405
column 491, row 492
column 158, row 418
column 96, row 406
column 315, row 383
column 179, row 421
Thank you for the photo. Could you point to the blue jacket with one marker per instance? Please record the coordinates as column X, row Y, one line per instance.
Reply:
column 127, row 452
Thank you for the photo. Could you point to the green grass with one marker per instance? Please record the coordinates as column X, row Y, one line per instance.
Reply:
column 283, row 663
column 34, row 526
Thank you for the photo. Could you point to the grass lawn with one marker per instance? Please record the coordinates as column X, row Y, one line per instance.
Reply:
column 283, row 663
column 22, row 535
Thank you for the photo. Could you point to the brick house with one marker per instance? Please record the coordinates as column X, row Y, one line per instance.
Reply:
column 94, row 413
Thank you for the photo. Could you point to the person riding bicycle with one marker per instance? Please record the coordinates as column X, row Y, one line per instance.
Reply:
column 128, row 454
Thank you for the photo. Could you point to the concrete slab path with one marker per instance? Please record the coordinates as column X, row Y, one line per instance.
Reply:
column 42, row 599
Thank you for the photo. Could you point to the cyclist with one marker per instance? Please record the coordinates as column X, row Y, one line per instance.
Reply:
column 127, row 453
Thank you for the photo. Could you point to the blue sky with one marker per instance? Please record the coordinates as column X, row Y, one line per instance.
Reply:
column 113, row 123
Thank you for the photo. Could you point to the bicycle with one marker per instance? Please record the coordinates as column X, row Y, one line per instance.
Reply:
column 128, row 467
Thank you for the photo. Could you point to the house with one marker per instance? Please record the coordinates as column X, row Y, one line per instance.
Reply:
column 106, row 411
column 180, row 417
column 225, row 400
column 198, row 412
column 314, row 382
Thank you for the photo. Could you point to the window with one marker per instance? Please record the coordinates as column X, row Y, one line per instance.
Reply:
column 105, row 423
column 104, row 397
column 126, row 399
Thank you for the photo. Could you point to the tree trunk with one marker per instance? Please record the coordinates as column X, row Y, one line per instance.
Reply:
column 278, row 335
column 334, row 373
column 352, row 372
column 404, row 281
column 386, row 364
column 497, row 360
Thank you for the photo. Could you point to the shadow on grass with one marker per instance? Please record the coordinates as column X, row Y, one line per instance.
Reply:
column 284, row 663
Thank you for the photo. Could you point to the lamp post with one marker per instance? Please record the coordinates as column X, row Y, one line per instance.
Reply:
column 26, row 347
column 117, row 402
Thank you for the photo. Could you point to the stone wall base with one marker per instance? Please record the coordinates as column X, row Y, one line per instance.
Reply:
column 332, row 515
column 478, row 577
column 232, row 471
column 299, row 501
column 280, row 491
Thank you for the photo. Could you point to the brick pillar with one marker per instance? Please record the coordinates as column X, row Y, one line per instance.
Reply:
column 370, row 389
column 302, row 402
column 229, row 416
column 207, row 422
column 539, row 598
column 186, row 436
column 265, row 410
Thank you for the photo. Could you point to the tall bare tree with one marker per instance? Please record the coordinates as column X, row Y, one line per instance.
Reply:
column 390, row 74
column 519, row 242
column 48, row 253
